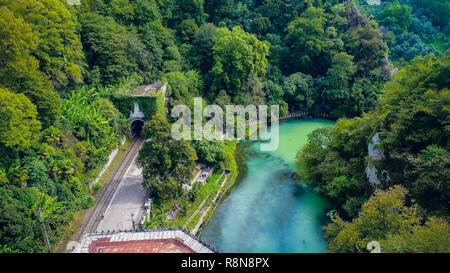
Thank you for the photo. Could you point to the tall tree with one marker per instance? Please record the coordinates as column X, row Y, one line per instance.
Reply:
column 105, row 43
column 59, row 48
column 396, row 17
column 306, row 39
column 237, row 54
column 167, row 163
column 386, row 218
column 18, row 124
column 19, row 70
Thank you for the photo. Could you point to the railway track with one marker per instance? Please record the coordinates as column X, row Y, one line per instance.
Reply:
column 104, row 197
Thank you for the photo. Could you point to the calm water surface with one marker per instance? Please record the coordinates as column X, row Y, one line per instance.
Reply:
column 266, row 211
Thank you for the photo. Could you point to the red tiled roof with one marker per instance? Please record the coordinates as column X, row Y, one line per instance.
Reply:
column 173, row 245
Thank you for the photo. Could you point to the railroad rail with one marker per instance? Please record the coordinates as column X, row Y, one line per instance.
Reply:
column 104, row 197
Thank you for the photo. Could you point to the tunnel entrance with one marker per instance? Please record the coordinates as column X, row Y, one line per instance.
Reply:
column 136, row 128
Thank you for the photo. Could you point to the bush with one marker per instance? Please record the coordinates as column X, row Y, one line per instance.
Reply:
column 97, row 186
column 87, row 202
column 195, row 191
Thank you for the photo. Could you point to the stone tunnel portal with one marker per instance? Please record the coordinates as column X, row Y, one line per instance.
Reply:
column 136, row 128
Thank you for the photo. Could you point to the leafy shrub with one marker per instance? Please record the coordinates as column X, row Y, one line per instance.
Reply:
column 97, row 186
column 195, row 191
column 87, row 202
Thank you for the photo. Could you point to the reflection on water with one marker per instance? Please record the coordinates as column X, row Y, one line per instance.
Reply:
column 266, row 211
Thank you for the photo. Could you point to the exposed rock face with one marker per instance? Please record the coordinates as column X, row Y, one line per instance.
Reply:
column 375, row 155
column 371, row 174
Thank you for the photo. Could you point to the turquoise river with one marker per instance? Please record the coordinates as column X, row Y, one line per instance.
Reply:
column 266, row 211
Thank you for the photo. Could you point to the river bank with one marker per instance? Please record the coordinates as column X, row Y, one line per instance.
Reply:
column 192, row 215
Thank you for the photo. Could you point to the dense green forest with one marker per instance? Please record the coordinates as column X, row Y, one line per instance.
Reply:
column 411, row 119
column 61, row 66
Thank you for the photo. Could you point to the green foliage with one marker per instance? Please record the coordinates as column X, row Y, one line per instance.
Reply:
column 167, row 163
column 93, row 120
column 436, row 10
column 387, row 219
column 315, row 56
column 383, row 215
column 188, row 30
column 105, row 44
column 236, row 54
column 118, row 102
column 210, row 152
column 432, row 177
column 18, row 124
column 333, row 161
column 59, row 49
column 160, row 104
column 300, row 90
column 306, row 38
column 203, row 45
column 24, row 213
column 52, row 136
column 410, row 46
column 260, row 24
column 364, row 42
column 87, row 202
column 252, row 92
column 336, row 84
column 195, row 191
column 412, row 115
column 191, row 10
column 411, row 119
column 396, row 17
column 39, row 177
column 219, row 9
column 146, row 11
column 163, row 54
column 432, row 237
column 124, row 102
column 97, row 186
column 182, row 87
column 19, row 70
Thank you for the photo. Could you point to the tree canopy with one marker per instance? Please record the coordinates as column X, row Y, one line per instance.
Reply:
column 386, row 218
column 167, row 163
column 18, row 124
